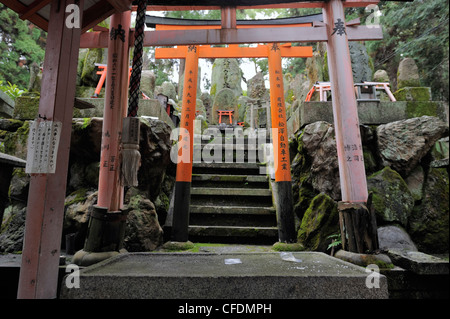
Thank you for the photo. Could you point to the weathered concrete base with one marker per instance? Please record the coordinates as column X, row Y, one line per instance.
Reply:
column 220, row 276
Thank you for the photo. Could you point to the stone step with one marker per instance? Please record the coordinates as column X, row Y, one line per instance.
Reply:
column 230, row 178
column 198, row 276
column 228, row 168
column 222, row 180
column 230, row 191
column 231, row 200
column 234, row 154
column 233, row 234
column 230, row 210
column 232, row 216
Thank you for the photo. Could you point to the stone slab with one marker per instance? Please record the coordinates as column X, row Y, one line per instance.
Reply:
column 369, row 112
column 150, row 107
column 6, row 105
column 419, row 263
column 6, row 159
column 212, row 276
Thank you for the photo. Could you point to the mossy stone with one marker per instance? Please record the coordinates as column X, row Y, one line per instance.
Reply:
column 288, row 247
column 321, row 220
column 413, row 94
column 26, row 108
column 392, row 200
column 429, row 221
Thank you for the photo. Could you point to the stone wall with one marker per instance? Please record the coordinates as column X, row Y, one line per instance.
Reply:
column 407, row 174
column 147, row 204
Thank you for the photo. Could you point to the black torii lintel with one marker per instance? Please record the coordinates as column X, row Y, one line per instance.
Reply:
column 152, row 21
column 217, row 3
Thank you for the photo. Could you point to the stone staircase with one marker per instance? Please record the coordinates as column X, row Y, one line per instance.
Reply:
column 231, row 202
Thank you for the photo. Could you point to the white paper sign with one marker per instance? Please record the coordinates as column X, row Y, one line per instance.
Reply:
column 43, row 142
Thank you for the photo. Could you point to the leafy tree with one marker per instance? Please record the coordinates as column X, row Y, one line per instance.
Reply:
column 21, row 44
column 419, row 30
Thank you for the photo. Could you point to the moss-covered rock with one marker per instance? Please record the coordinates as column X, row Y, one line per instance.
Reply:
column 392, row 200
column 143, row 231
column 288, row 247
column 413, row 94
column 89, row 76
column 407, row 74
column 26, row 108
column 430, row 108
column 429, row 221
column 16, row 143
column 321, row 220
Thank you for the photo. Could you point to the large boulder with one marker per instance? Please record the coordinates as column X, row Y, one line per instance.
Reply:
column 392, row 200
column 89, row 76
column 256, row 87
column 12, row 230
column 168, row 89
column 381, row 76
column 226, row 73
column 402, row 144
column 143, row 231
column 407, row 74
column 207, row 103
column 321, row 220
column 429, row 221
column 148, row 80
column 155, row 145
column 319, row 144
column 360, row 62
column 77, row 207
column 224, row 100
column 394, row 237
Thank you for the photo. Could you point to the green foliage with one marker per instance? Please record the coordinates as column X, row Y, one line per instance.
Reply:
column 21, row 44
column 419, row 30
column 335, row 241
column 11, row 89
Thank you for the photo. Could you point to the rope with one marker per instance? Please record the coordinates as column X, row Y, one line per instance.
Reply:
column 130, row 156
column 135, row 78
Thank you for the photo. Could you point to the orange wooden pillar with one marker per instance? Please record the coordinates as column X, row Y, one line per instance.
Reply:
column 180, row 224
column 284, row 205
column 45, row 212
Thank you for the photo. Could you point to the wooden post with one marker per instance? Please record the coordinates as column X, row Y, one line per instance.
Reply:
column 107, row 221
column 346, row 122
column 355, row 217
column 284, row 205
column 110, row 193
column 180, row 226
column 45, row 213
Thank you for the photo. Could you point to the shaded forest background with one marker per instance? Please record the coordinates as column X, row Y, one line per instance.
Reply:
column 417, row 29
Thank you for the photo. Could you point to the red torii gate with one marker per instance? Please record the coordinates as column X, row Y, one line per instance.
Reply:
column 274, row 52
column 40, row 257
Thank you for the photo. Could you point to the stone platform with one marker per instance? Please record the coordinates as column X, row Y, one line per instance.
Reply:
column 260, row 275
